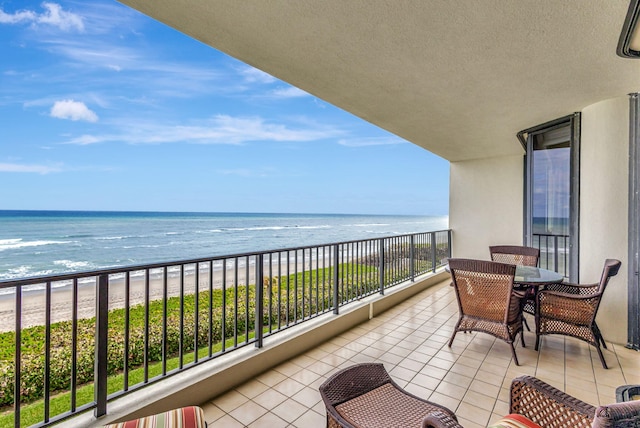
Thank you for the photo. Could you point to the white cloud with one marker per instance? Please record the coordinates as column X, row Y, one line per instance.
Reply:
column 289, row 92
column 38, row 169
column 222, row 129
column 85, row 140
column 16, row 18
column 74, row 110
column 59, row 18
column 53, row 15
column 140, row 70
column 253, row 75
column 373, row 141
column 241, row 129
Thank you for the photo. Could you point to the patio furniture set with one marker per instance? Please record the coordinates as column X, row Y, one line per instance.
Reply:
column 493, row 297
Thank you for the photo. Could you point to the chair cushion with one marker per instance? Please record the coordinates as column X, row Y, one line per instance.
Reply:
column 514, row 421
column 386, row 407
column 185, row 417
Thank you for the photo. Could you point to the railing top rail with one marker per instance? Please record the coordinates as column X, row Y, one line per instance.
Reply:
column 134, row 268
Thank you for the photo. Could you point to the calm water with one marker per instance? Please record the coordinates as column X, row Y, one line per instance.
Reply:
column 36, row 243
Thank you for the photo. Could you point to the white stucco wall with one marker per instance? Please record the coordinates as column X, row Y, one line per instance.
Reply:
column 485, row 204
column 603, row 207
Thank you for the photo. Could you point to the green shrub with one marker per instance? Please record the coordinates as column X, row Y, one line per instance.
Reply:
column 283, row 301
column 32, row 346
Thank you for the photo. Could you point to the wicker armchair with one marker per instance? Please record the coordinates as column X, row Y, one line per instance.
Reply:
column 363, row 395
column 551, row 408
column 570, row 309
column 486, row 300
column 518, row 255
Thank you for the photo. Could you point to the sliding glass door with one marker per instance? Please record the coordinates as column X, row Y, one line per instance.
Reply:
column 551, row 193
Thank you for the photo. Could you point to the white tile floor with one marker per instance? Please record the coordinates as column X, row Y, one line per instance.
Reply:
column 471, row 378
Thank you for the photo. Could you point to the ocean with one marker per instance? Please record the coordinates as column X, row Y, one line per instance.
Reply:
column 38, row 243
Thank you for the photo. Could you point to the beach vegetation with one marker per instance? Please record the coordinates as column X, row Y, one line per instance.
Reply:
column 174, row 329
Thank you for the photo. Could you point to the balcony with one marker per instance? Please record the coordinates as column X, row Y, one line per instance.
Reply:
column 404, row 324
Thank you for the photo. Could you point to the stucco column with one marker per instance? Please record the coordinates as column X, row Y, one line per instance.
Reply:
column 604, row 207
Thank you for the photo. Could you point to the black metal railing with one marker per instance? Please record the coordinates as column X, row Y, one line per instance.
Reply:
column 71, row 343
column 554, row 252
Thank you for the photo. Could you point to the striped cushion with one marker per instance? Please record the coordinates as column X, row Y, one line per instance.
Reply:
column 514, row 421
column 185, row 417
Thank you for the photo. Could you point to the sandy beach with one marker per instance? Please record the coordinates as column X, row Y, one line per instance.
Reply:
column 34, row 301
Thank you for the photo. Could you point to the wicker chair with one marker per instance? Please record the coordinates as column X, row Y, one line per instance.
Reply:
column 551, row 408
column 515, row 255
column 518, row 255
column 486, row 299
column 364, row 395
column 570, row 309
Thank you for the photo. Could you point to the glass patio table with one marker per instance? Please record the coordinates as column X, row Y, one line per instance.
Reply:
column 529, row 276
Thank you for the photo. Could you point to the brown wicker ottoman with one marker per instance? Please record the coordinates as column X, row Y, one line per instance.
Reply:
column 364, row 396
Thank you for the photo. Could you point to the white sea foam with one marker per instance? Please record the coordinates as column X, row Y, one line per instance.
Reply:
column 20, row 272
column 12, row 244
column 241, row 229
column 73, row 265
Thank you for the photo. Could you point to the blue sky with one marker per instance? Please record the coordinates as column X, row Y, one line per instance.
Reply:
column 103, row 108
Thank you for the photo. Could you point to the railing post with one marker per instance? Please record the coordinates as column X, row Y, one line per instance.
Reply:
column 17, row 385
column 100, row 372
column 336, row 277
column 381, row 264
column 433, row 251
column 259, row 321
column 449, row 243
column 412, row 258
column 555, row 253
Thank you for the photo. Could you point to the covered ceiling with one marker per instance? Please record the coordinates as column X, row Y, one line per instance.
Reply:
column 459, row 78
